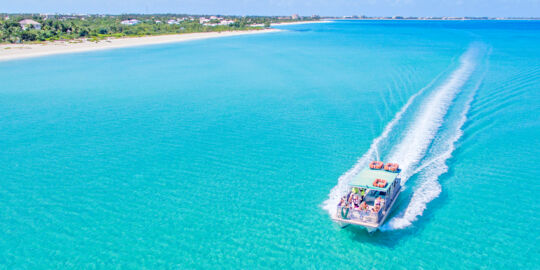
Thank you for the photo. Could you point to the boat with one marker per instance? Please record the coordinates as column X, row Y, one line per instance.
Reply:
column 372, row 194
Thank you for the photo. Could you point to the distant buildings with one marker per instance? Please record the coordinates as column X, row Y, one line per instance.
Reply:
column 27, row 23
column 292, row 17
column 45, row 16
column 363, row 17
column 130, row 22
column 177, row 20
column 215, row 21
column 210, row 21
column 226, row 22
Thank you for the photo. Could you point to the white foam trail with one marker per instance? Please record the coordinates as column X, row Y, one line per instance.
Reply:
column 341, row 188
column 413, row 146
column 430, row 188
column 427, row 122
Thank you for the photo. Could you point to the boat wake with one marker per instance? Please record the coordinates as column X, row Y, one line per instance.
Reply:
column 430, row 170
column 421, row 139
column 341, row 188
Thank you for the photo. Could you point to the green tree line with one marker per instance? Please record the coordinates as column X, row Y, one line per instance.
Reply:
column 66, row 27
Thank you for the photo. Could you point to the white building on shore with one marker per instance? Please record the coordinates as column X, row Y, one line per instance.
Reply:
column 226, row 22
column 27, row 23
column 130, row 22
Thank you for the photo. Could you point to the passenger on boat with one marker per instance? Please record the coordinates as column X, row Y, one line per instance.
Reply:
column 363, row 206
column 378, row 201
column 356, row 201
column 349, row 198
column 343, row 201
column 362, row 194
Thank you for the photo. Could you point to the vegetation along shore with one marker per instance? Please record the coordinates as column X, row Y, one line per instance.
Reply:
column 32, row 28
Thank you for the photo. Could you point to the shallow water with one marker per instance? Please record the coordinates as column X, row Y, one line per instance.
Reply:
column 226, row 153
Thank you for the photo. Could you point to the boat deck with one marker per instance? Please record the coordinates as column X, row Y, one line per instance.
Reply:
column 371, row 225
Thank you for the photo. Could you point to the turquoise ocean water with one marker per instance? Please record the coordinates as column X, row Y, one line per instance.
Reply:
column 227, row 153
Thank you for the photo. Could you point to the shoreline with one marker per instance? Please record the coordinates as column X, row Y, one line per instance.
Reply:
column 20, row 51
column 10, row 52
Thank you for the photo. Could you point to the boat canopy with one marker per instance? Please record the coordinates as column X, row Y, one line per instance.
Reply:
column 366, row 178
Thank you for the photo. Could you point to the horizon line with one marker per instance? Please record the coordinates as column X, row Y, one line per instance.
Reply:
column 394, row 17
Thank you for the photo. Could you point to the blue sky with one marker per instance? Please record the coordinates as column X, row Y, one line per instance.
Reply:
column 505, row 8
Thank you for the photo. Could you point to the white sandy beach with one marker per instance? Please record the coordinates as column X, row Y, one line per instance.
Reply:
column 18, row 51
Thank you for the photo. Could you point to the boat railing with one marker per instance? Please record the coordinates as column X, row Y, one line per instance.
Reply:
column 367, row 215
column 380, row 214
column 362, row 215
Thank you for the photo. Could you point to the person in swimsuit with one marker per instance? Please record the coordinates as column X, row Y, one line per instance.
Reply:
column 363, row 206
column 349, row 199
column 356, row 201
